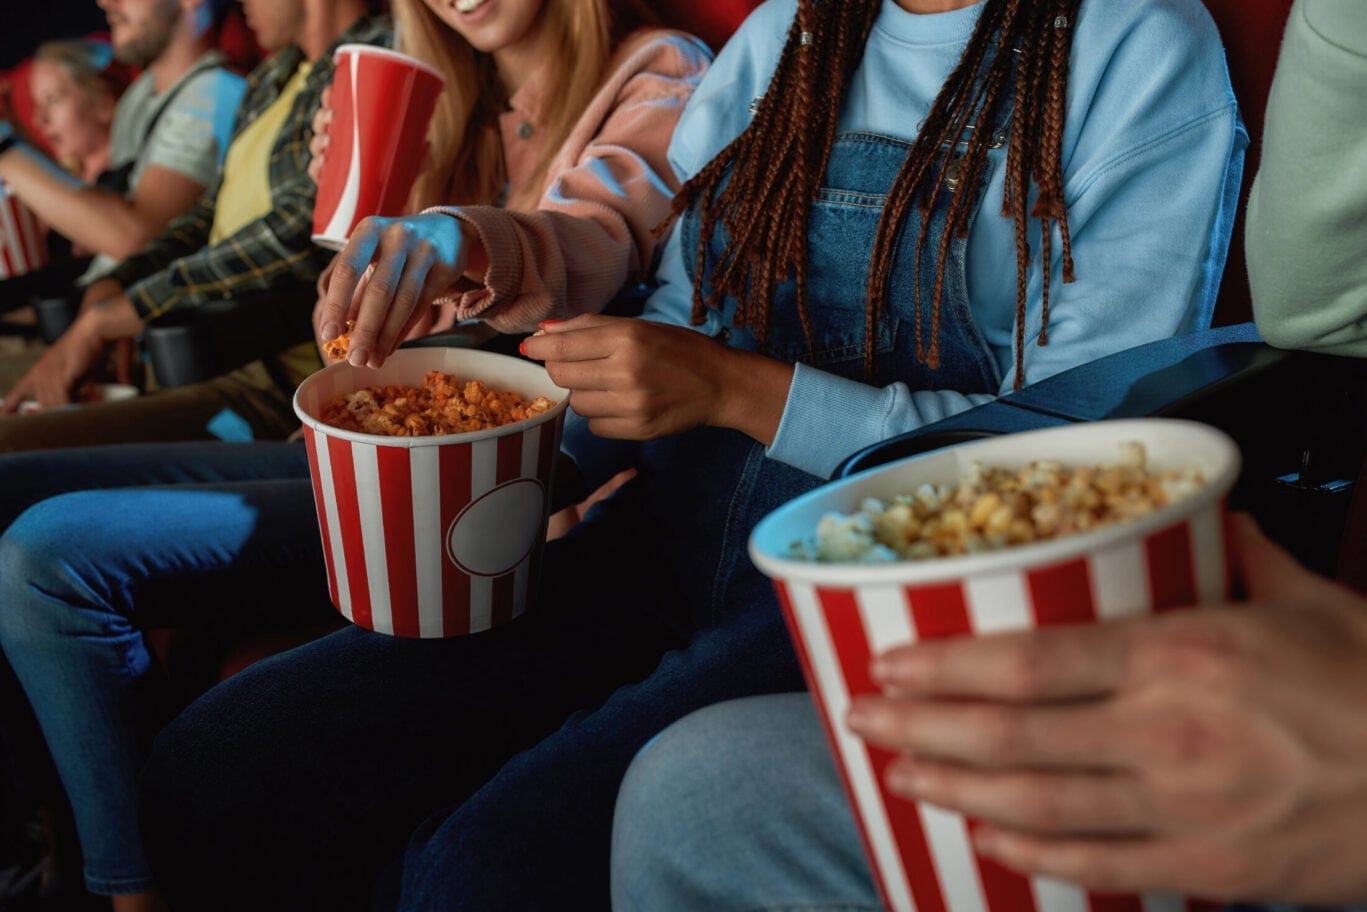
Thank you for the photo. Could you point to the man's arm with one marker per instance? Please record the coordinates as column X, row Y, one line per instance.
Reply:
column 272, row 253
column 95, row 218
column 183, row 236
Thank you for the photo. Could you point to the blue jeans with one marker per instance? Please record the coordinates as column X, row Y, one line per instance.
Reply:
column 109, row 541
column 489, row 762
column 739, row 808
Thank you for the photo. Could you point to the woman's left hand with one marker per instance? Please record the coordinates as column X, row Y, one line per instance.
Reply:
column 415, row 260
column 638, row 380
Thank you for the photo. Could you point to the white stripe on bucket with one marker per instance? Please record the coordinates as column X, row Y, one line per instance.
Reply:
column 1120, row 581
column 10, row 238
column 334, row 526
column 1057, row 896
column 1207, row 550
column 429, row 552
column 483, row 477
column 1157, row 902
column 947, row 838
column 853, row 753
column 998, row 603
column 365, row 463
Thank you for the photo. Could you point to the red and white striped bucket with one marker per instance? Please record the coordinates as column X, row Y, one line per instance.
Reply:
column 22, row 246
column 841, row 615
column 432, row 536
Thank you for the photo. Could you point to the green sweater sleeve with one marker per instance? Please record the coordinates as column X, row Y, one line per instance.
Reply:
column 1306, row 234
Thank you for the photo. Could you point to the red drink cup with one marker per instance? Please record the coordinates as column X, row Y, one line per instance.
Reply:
column 382, row 102
column 22, row 246
column 841, row 615
column 432, row 536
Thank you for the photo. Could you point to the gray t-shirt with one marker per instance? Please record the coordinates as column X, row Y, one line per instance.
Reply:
column 190, row 137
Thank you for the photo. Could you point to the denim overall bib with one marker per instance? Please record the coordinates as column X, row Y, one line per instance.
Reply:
column 711, row 486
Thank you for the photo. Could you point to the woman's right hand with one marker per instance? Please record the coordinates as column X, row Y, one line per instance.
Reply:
column 322, row 119
column 386, row 279
column 638, row 380
column 100, row 291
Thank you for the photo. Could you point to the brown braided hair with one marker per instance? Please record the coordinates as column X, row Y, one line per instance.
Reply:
column 761, row 186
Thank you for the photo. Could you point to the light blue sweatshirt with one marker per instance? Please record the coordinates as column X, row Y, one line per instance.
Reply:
column 1152, row 159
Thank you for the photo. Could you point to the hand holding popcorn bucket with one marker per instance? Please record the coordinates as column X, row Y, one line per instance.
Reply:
column 432, row 536
column 22, row 246
column 841, row 615
column 382, row 102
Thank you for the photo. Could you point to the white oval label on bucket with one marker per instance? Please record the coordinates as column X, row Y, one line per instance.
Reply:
column 494, row 533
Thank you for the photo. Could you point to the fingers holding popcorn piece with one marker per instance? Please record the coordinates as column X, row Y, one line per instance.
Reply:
column 389, row 272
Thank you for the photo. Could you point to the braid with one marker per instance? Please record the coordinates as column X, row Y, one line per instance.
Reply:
column 760, row 188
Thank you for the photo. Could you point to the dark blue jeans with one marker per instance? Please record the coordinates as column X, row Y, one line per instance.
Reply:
column 102, row 543
column 295, row 783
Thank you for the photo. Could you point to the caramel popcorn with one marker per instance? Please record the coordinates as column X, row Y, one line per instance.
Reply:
column 337, row 348
column 443, row 404
column 993, row 508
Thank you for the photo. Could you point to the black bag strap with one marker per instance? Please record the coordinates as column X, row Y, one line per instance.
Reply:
column 116, row 179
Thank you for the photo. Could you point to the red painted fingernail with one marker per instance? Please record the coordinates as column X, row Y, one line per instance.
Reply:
column 544, row 323
column 522, row 346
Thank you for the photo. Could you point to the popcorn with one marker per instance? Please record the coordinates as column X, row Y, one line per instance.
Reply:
column 993, row 508
column 443, row 405
column 336, row 349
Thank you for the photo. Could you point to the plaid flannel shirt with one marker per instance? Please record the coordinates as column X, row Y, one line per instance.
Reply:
column 274, row 253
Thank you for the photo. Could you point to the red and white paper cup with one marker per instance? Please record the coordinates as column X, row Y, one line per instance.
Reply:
column 382, row 102
column 432, row 536
column 841, row 615
column 22, row 246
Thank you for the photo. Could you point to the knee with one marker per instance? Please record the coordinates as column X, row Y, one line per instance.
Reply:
column 194, row 818
column 36, row 582
column 677, row 798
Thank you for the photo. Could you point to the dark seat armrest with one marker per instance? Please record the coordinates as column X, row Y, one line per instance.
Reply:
column 196, row 344
column 1193, row 375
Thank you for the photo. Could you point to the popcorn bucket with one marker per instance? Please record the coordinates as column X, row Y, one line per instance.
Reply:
column 22, row 245
column 381, row 102
column 841, row 615
column 432, row 536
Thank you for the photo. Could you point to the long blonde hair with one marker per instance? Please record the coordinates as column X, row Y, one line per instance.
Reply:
column 465, row 163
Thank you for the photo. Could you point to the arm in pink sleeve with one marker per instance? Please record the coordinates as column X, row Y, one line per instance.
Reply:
column 611, row 185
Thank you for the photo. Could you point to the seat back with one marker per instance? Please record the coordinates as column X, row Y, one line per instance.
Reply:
column 711, row 20
column 1252, row 34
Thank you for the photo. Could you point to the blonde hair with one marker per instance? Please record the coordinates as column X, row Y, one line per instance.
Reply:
column 90, row 64
column 465, row 153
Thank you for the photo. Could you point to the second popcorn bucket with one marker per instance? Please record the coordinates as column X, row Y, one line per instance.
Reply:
column 23, row 248
column 432, row 536
column 841, row 615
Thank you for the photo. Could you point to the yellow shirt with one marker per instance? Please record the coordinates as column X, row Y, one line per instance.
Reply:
column 245, row 194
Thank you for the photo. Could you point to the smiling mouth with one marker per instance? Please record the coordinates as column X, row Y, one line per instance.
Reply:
column 469, row 6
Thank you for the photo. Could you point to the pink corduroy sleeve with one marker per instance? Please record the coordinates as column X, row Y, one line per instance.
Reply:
column 609, row 187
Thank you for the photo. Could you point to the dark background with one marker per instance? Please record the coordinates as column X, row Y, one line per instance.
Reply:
column 25, row 24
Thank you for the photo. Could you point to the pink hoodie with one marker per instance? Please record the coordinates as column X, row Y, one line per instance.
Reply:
column 611, row 184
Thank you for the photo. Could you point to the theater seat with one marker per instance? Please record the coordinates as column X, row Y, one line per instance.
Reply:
column 1252, row 33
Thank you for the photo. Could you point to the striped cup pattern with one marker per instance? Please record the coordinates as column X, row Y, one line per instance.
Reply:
column 433, row 541
column 432, row 536
column 382, row 102
column 22, row 248
column 921, row 855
